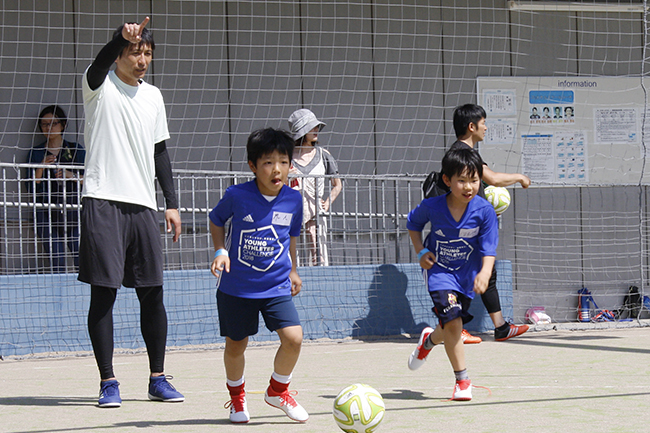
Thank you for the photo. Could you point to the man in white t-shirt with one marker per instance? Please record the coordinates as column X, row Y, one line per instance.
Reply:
column 125, row 133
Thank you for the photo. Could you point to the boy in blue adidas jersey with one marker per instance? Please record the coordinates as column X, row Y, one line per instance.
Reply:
column 255, row 264
column 457, row 258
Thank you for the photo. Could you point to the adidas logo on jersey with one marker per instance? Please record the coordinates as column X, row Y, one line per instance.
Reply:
column 248, row 218
column 440, row 233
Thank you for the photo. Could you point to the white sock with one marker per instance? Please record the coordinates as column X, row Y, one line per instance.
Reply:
column 234, row 383
column 281, row 378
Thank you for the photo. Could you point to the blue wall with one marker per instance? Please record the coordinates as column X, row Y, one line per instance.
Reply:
column 47, row 313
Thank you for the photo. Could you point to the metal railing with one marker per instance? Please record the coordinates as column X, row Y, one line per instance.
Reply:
column 365, row 225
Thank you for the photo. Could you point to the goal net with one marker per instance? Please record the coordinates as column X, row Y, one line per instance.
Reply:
column 385, row 77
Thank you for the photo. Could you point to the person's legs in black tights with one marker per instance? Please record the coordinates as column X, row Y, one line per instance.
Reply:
column 490, row 297
column 153, row 323
column 100, row 328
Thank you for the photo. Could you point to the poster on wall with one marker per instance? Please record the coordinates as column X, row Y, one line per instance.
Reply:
column 616, row 125
column 551, row 107
column 500, row 102
column 558, row 131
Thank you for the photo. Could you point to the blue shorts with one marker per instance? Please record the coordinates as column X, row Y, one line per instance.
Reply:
column 240, row 317
column 449, row 305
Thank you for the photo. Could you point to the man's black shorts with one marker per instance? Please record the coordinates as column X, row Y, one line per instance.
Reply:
column 119, row 245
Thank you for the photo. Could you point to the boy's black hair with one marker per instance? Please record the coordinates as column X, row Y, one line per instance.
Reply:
column 265, row 141
column 58, row 114
column 146, row 37
column 466, row 114
column 456, row 161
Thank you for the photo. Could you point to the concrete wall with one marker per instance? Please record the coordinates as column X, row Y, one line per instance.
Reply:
column 384, row 76
column 48, row 313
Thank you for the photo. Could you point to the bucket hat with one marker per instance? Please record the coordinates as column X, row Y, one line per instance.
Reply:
column 302, row 121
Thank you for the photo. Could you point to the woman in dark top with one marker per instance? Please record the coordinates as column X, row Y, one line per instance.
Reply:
column 55, row 187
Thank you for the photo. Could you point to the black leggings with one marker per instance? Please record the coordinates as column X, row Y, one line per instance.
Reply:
column 491, row 297
column 153, row 324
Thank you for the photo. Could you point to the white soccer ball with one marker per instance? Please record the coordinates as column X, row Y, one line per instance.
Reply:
column 499, row 198
column 359, row 408
column 537, row 315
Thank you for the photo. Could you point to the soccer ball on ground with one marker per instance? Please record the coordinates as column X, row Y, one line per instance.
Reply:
column 537, row 315
column 358, row 408
column 499, row 198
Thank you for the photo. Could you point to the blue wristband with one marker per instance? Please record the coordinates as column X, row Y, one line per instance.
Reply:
column 422, row 252
column 221, row 252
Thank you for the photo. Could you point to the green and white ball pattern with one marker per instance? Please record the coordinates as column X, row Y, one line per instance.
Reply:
column 499, row 198
column 359, row 408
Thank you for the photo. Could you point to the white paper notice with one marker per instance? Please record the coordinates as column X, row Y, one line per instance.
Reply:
column 555, row 158
column 500, row 131
column 570, row 157
column 538, row 158
column 499, row 103
column 616, row 125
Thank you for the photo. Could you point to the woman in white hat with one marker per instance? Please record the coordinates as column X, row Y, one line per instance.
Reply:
column 313, row 160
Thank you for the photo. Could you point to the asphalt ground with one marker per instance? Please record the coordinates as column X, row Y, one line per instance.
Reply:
column 559, row 379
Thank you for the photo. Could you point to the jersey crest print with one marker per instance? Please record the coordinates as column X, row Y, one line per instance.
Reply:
column 259, row 248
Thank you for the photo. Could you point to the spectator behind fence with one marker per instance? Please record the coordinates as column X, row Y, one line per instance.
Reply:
column 56, row 186
column 310, row 159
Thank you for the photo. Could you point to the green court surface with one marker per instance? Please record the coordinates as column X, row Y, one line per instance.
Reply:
column 547, row 381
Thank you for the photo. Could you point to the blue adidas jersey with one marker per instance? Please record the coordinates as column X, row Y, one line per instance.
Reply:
column 459, row 246
column 258, row 240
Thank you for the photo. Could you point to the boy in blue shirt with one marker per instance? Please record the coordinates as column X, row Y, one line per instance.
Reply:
column 256, row 267
column 470, row 129
column 457, row 258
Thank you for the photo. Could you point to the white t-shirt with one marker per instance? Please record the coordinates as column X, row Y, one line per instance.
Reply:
column 123, row 124
column 321, row 163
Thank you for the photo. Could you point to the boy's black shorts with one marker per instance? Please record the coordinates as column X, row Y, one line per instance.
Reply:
column 449, row 305
column 119, row 245
column 240, row 317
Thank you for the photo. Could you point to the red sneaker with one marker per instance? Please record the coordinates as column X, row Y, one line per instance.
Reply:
column 287, row 403
column 238, row 409
column 512, row 331
column 462, row 390
column 237, row 404
column 469, row 338
column 419, row 355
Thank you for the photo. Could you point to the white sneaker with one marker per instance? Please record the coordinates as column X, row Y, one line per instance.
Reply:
column 286, row 402
column 462, row 390
column 238, row 409
column 419, row 355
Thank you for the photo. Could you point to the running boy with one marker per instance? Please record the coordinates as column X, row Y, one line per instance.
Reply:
column 470, row 129
column 457, row 257
column 265, row 218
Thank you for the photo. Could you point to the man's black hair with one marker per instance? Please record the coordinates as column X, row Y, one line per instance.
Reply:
column 55, row 111
column 146, row 38
column 265, row 141
column 456, row 161
column 466, row 114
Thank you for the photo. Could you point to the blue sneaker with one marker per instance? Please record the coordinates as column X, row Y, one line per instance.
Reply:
column 109, row 394
column 161, row 390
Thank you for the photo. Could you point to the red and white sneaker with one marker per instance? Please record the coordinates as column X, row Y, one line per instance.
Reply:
column 462, row 390
column 469, row 338
column 419, row 355
column 287, row 403
column 238, row 409
column 512, row 331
